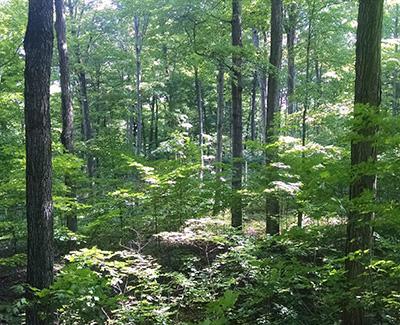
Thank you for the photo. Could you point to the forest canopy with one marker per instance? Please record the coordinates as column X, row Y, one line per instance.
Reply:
column 199, row 162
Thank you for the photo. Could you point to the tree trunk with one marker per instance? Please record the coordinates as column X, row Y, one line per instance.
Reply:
column 86, row 123
column 156, row 125
column 152, row 122
column 263, row 99
column 291, row 55
column 254, row 86
column 396, row 83
column 275, row 60
column 220, row 116
column 237, row 127
column 138, row 75
column 38, row 57
column 363, row 147
column 67, row 112
column 200, row 111
column 220, row 130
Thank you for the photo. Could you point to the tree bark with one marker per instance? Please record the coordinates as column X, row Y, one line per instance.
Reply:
column 39, row 207
column 291, row 56
column 275, row 60
column 67, row 112
column 237, row 127
column 363, row 146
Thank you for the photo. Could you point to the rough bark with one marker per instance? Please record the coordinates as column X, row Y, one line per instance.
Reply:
column 291, row 56
column 363, row 148
column 275, row 60
column 67, row 112
column 237, row 127
column 38, row 57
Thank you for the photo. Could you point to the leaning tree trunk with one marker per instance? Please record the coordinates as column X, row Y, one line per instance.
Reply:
column 38, row 56
column 67, row 112
column 272, row 203
column 291, row 57
column 363, row 147
column 237, row 127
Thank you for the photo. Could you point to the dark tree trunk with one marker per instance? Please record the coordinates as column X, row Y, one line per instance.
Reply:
column 39, row 50
column 291, row 56
column 67, row 112
column 363, row 148
column 86, row 122
column 272, row 204
column 237, row 127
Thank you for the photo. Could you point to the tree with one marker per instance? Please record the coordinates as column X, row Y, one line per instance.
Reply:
column 140, row 27
column 275, row 60
column 291, row 55
column 39, row 50
column 67, row 113
column 237, row 127
column 363, row 146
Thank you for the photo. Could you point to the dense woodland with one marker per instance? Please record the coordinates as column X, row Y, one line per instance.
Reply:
column 202, row 162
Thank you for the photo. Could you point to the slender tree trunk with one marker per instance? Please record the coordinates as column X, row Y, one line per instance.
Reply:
column 39, row 207
column 272, row 204
column 307, row 98
column 263, row 99
column 220, row 131
column 152, row 121
column 220, row 116
column 86, row 123
column 200, row 111
column 291, row 55
column 67, row 112
column 237, row 127
column 156, row 141
column 254, row 86
column 363, row 147
column 396, row 83
column 138, row 75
